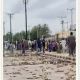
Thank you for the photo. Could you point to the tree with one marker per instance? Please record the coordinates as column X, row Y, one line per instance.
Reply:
column 45, row 30
column 7, row 36
column 33, row 33
column 19, row 36
column 39, row 30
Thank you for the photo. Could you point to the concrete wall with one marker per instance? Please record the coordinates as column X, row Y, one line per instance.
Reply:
column 65, row 34
column 59, row 35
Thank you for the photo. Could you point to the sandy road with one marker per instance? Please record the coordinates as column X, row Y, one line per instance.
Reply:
column 13, row 71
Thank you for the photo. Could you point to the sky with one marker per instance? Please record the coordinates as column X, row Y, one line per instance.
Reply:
column 38, row 12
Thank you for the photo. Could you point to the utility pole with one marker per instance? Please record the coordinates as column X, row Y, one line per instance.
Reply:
column 4, row 30
column 62, row 24
column 26, row 2
column 12, row 37
column 67, row 26
column 71, row 18
column 8, row 36
column 10, row 16
column 4, row 27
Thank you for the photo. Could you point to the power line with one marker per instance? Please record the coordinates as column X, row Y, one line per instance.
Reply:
column 25, row 2
column 10, row 16
column 4, row 26
column 62, row 23
column 71, row 17
column 4, row 29
column 67, row 25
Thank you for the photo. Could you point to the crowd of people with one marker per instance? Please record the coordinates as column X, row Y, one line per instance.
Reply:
column 65, row 45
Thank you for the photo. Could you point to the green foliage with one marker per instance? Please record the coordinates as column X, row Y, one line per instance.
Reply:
column 7, row 36
column 19, row 36
column 35, row 32
column 39, row 31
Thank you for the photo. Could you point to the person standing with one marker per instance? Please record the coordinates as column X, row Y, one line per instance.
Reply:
column 50, row 46
column 29, row 44
column 54, row 45
column 8, row 45
column 16, row 45
column 63, row 45
column 23, row 47
column 11, row 47
column 46, row 45
column 43, row 44
column 60, row 46
column 39, row 44
column 32, row 45
column 71, row 43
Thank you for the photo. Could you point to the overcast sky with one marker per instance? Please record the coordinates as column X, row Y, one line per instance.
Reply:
column 38, row 12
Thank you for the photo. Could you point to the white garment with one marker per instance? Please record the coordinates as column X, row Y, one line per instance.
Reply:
column 8, row 45
column 13, row 46
column 16, row 42
column 63, row 44
column 29, row 42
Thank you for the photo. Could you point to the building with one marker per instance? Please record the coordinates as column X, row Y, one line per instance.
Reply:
column 59, row 36
column 50, row 38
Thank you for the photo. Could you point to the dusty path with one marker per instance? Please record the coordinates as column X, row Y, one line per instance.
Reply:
column 32, row 68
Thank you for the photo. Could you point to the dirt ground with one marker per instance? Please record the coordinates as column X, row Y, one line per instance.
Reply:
column 32, row 68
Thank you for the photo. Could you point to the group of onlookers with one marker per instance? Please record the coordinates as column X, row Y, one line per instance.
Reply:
column 65, row 45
